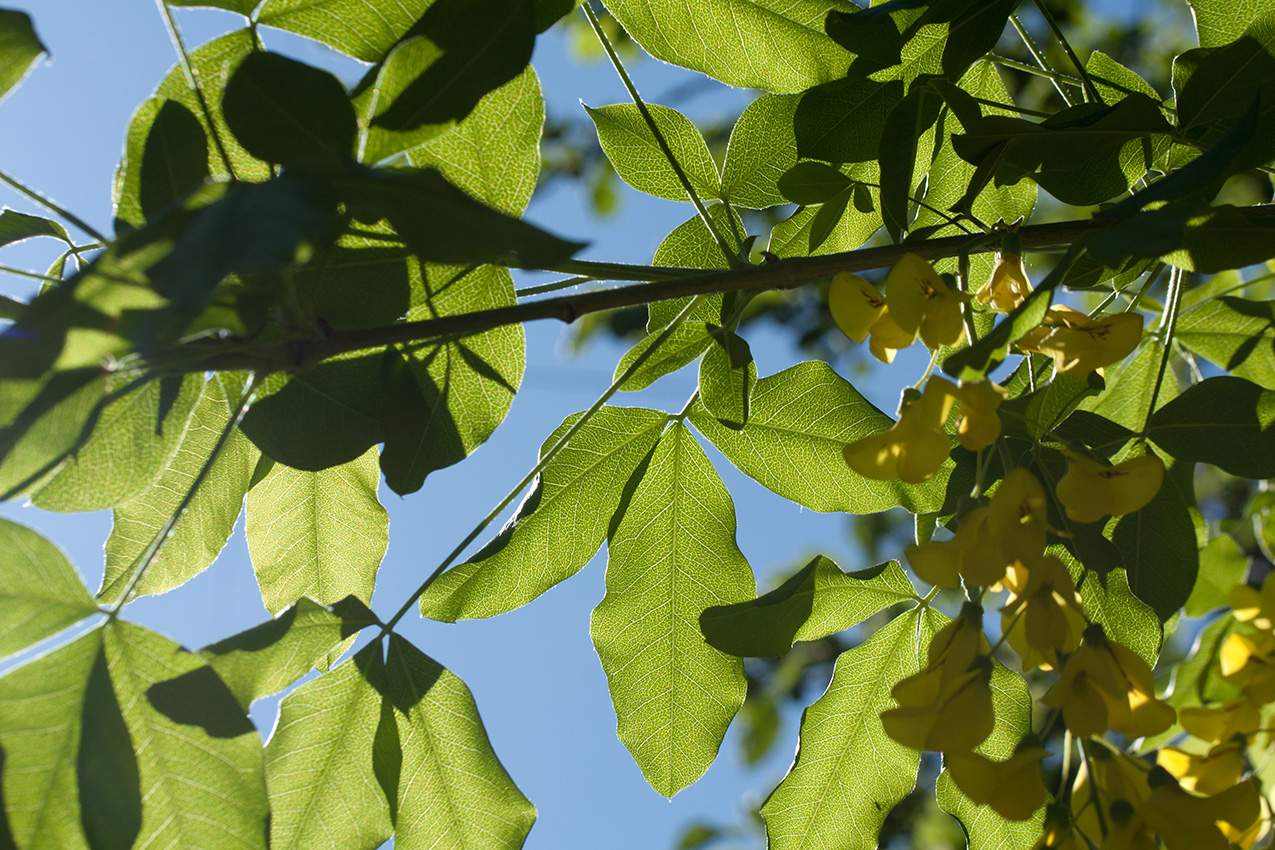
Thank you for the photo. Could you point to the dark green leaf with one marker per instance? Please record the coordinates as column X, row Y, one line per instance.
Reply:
column 1225, row 421
column 631, row 147
column 353, row 288
column 670, row 555
column 420, row 435
column 818, row 600
column 453, row 791
column 973, row 33
column 842, row 121
column 812, row 182
column 40, row 592
column 286, row 112
column 16, row 226
column 875, row 39
column 799, row 421
column 827, row 217
column 848, row 775
column 243, row 7
column 440, row 223
column 106, row 767
column 1129, row 387
column 174, row 158
column 1159, row 546
column 566, row 513
column 727, row 374
column 471, row 47
column 324, row 793
column 1034, row 415
column 19, row 48
column 266, row 658
column 1236, row 334
column 904, row 127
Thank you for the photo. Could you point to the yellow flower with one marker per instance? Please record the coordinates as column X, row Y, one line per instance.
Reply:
column 1012, row 788
column 1058, row 833
column 1090, row 491
column 1008, row 285
column 979, row 425
column 1117, row 776
column 959, row 718
column 1244, row 662
column 1255, row 606
column 1079, row 344
column 1247, row 838
column 1046, row 618
column 972, row 554
column 888, row 337
column 1211, row 773
column 915, row 447
column 855, row 305
column 1217, row 723
column 920, row 300
column 1016, row 517
column 1105, row 685
column 951, row 652
column 1187, row 822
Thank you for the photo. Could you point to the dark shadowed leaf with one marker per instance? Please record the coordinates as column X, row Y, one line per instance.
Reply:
column 1225, row 421
column 842, row 121
column 174, row 158
column 1159, row 544
column 727, row 374
column 106, row 767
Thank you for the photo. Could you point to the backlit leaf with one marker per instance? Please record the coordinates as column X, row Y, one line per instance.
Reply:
column 1236, row 334
column 1158, row 543
column 672, row 555
column 1221, row 21
column 818, row 600
column 1223, row 565
column 761, row 148
column 559, row 525
column 19, row 48
column 174, row 157
column 40, row 592
column 364, row 29
column 727, row 374
column 638, row 159
column 16, row 226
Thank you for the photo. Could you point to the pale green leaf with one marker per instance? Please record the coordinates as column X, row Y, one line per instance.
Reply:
column 1106, row 70
column 195, row 746
column 559, row 525
column 639, row 160
column 687, row 342
column 1223, row 565
column 848, row 773
column 243, row 7
column 1220, row 22
column 818, row 600
column 1110, row 602
column 40, row 592
column 41, row 709
column 317, row 534
column 987, row 830
column 19, row 48
column 1236, row 334
column 29, row 450
column 268, row 657
column 208, row 520
column 767, row 44
column 364, row 29
column 1129, row 387
column 128, row 450
column 800, row 420
column 761, row 148
column 672, row 555
column 324, row 794
column 453, row 792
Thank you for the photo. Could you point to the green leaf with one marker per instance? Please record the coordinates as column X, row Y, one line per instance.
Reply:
column 355, row 288
column 685, row 344
column 984, row 828
column 874, row 39
column 52, row 424
column 842, row 121
column 106, row 767
column 900, row 136
column 286, row 112
column 629, row 144
column 207, row 521
column 193, row 743
column 765, row 44
column 1110, row 602
column 471, row 47
column 1158, row 543
column 452, row 790
column 16, row 226
column 727, row 374
column 1236, row 334
column 19, row 48
column 364, row 29
column 41, row 716
column 130, row 446
column 324, row 794
column 561, row 522
column 1129, row 388
column 1223, row 565
column 848, row 773
column 818, row 600
column 827, row 217
column 174, row 157
column 40, row 592
column 1221, row 21
column 243, row 7
column 671, row 555
column 1034, row 415
column 1224, row 421
column 762, row 147
column 1196, row 679
column 812, row 182
column 800, row 420
column 317, row 534
column 440, row 223
column 494, row 154
column 268, row 657
column 793, row 237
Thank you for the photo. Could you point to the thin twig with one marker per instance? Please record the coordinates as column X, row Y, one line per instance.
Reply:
column 1071, row 54
column 1170, row 323
column 54, row 208
column 1040, row 59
